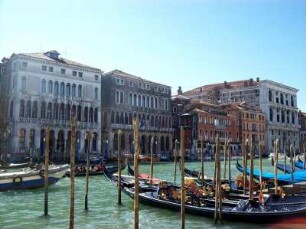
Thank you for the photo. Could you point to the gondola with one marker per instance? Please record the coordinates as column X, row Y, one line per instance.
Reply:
column 31, row 179
column 282, row 167
column 96, row 170
column 300, row 164
column 244, row 210
column 14, row 165
column 283, row 179
column 209, row 181
column 143, row 176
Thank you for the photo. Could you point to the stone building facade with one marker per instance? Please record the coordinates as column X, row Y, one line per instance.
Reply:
column 125, row 96
column 46, row 90
column 277, row 101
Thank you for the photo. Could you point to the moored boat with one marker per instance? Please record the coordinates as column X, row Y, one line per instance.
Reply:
column 31, row 179
column 244, row 210
column 283, row 179
column 14, row 165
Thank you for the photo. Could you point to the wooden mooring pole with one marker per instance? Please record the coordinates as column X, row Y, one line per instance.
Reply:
column 251, row 171
column 275, row 165
column 244, row 156
column 119, row 167
column 218, row 204
column 46, row 172
column 202, row 164
column 87, row 169
column 72, row 171
column 136, row 172
column 260, row 173
column 175, row 159
column 151, row 166
column 182, row 177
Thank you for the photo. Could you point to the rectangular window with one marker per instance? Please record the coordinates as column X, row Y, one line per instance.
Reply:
column 44, row 68
column 96, row 77
column 63, row 71
column 50, row 69
column 74, row 73
column 24, row 64
column 131, row 84
column 80, row 74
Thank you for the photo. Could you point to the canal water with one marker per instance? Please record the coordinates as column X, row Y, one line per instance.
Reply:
column 24, row 209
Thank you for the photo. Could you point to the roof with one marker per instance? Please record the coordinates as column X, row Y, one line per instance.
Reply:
column 224, row 85
column 120, row 73
column 180, row 97
column 41, row 55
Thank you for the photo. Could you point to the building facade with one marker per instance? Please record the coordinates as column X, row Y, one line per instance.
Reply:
column 277, row 101
column 46, row 90
column 125, row 96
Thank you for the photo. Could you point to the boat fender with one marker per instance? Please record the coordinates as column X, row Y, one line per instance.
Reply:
column 17, row 180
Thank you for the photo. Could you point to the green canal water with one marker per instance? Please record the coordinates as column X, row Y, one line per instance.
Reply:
column 24, row 209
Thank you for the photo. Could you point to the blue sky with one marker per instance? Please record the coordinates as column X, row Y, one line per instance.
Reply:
column 178, row 43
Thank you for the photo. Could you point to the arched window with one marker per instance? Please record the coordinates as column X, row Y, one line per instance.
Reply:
column 139, row 101
column 21, row 110
column 271, row 114
column 62, row 111
column 143, row 101
column 55, row 112
column 80, row 91
column 68, row 89
column 50, row 86
column 79, row 113
column 62, row 89
column 86, row 114
column 49, row 111
column 34, row 110
column 12, row 109
column 43, row 110
column 43, row 86
column 23, row 83
column 117, row 117
column 28, row 109
column 91, row 114
column 148, row 102
column 130, row 99
column 96, row 115
column 73, row 92
column 56, row 88
column 135, row 100
column 113, row 117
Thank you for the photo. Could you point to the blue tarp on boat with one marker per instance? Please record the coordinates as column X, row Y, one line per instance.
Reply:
column 298, row 176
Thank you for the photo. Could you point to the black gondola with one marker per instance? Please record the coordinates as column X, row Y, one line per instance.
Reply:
column 273, row 210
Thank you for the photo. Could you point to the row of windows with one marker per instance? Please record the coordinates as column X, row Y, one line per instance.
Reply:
column 50, row 69
column 283, row 116
column 59, row 143
column 144, row 86
column 281, row 98
column 214, row 121
column 62, row 89
column 144, row 120
column 142, row 100
column 29, row 109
